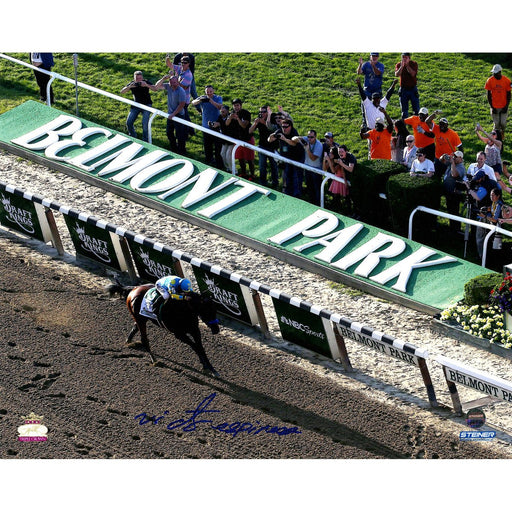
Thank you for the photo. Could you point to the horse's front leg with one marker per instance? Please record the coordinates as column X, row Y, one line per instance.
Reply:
column 197, row 347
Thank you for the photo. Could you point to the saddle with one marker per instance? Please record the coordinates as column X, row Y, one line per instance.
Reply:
column 150, row 306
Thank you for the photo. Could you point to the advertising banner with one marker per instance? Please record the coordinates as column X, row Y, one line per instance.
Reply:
column 306, row 329
column 232, row 299
column 151, row 264
column 24, row 216
column 95, row 243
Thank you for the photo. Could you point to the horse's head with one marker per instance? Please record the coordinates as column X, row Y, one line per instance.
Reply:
column 208, row 313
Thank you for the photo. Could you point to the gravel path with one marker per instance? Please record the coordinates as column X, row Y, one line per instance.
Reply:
column 377, row 377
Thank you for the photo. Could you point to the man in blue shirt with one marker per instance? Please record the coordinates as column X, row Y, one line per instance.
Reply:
column 373, row 71
column 176, row 101
column 313, row 150
column 43, row 61
column 210, row 104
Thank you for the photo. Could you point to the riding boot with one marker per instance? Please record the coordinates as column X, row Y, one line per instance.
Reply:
column 157, row 304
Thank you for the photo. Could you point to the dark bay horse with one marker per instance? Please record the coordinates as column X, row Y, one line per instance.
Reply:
column 180, row 317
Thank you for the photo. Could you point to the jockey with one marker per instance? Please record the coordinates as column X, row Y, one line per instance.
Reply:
column 174, row 287
column 168, row 287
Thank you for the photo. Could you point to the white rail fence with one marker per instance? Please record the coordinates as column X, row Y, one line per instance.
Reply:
column 156, row 112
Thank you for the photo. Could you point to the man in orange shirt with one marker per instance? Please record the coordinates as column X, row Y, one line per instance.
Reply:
column 447, row 142
column 498, row 96
column 380, row 137
column 422, row 127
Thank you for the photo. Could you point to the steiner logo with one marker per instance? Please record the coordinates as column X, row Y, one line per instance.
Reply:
column 469, row 435
column 302, row 327
column 18, row 216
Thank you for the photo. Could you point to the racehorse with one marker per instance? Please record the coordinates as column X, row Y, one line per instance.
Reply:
column 180, row 317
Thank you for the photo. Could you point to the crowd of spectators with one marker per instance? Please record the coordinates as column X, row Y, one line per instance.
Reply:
column 432, row 151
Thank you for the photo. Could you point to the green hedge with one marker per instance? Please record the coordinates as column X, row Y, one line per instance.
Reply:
column 478, row 289
column 405, row 193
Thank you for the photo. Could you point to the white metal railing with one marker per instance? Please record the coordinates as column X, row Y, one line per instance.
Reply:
column 156, row 112
column 490, row 227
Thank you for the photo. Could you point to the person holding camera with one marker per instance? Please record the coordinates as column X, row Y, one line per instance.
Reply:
column 226, row 149
column 289, row 147
column 210, row 104
column 490, row 215
column 265, row 123
column 452, row 185
column 239, row 121
column 140, row 88
column 373, row 72
column 313, row 157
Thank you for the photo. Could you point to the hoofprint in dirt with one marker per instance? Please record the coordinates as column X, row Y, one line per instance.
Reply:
column 390, row 382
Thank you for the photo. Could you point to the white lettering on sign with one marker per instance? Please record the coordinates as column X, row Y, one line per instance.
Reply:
column 78, row 140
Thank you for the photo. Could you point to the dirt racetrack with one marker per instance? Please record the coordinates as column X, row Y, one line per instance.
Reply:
column 63, row 357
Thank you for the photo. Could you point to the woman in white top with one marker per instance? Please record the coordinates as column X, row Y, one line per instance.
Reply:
column 422, row 166
column 409, row 153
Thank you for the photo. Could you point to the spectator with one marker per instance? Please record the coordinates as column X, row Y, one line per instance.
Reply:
column 265, row 124
column 140, row 88
column 314, row 151
column 43, row 61
column 480, row 165
column 453, row 176
column 423, row 136
column 447, row 142
column 398, row 141
column 380, row 137
column 407, row 70
column 492, row 150
column 422, row 166
column 373, row 72
column 241, row 121
column 498, row 97
column 185, row 78
column 227, row 147
column 176, row 101
column 409, row 153
column 340, row 162
column 490, row 215
column 209, row 105
column 290, row 148
column 192, row 67
column 370, row 107
column 329, row 143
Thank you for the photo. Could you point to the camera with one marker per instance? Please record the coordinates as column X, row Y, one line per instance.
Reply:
column 304, row 142
column 277, row 135
column 204, row 98
column 260, row 115
column 211, row 124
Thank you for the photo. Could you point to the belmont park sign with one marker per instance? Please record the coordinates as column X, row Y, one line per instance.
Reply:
column 346, row 247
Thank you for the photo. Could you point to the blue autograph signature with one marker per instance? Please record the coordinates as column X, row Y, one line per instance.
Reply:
column 190, row 424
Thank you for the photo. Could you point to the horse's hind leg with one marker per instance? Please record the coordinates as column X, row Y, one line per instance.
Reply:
column 144, row 339
column 133, row 332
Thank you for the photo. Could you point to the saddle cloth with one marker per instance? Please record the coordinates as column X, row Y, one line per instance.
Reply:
column 146, row 308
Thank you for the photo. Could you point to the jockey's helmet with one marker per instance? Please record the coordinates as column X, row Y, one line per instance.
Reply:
column 185, row 285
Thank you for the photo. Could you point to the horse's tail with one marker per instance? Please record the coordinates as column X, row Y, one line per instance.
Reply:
column 118, row 289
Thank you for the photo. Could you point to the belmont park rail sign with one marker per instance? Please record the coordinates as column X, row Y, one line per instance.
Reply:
column 290, row 229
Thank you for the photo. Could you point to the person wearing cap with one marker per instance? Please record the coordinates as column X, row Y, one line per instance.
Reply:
column 192, row 66
column 422, row 127
column 380, row 137
column 421, row 165
column 452, row 186
column 239, row 122
column 373, row 72
column 409, row 153
column 370, row 106
column 447, row 142
column 328, row 143
column 498, row 97
column 185, row 79
column 407, row 71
